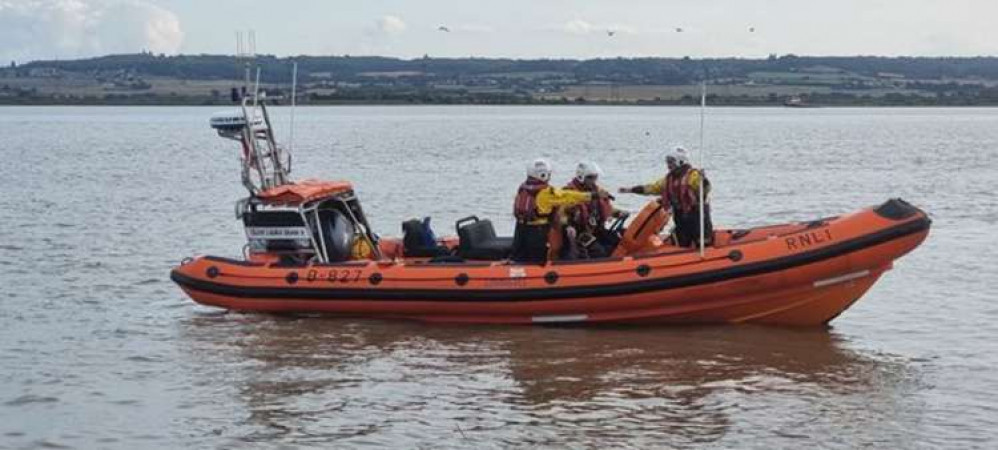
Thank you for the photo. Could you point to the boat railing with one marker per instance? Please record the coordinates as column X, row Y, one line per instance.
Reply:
column 269, row 160
column 265, row 164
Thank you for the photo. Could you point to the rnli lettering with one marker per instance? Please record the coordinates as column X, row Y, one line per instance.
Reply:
column 808, row 239
column 335, row 276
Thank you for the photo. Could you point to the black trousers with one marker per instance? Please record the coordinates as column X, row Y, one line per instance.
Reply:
column 602, row 247
column 607, row 240
column 688, row 227
column 530, row 243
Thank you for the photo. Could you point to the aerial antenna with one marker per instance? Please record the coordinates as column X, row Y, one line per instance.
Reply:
column 252, row 43
column 251, row 55
column 294, row 103
column 246, row 51
column 703, row 109
column 241, row 56
column 256, row 87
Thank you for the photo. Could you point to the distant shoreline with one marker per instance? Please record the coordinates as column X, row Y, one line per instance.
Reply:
column 538, row 104
column 212, row 80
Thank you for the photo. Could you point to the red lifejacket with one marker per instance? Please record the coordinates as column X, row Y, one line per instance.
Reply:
column 525, row 205
column 676, row 190
column 592, row 214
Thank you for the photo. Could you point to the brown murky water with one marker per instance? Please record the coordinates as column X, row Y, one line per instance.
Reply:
column 320, row 380
column 99, row 350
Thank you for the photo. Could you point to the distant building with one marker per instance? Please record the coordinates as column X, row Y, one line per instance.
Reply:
column 822, row 69
column 44, row 72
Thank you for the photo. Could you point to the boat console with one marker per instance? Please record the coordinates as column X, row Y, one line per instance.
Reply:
column 286, row 221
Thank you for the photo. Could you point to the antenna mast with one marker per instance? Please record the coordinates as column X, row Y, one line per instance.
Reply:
column 246, row 51
column 703, row 109
column 294, row 103
column 263, row 161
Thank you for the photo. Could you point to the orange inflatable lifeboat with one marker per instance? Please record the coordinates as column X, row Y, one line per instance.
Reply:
column 310, row 250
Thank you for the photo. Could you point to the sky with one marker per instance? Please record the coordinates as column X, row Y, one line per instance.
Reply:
column 64, row 29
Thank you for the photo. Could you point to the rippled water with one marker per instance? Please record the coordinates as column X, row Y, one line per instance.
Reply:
column 99, row 350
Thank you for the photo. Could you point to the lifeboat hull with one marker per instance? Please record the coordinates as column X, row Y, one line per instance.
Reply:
column 802, row 274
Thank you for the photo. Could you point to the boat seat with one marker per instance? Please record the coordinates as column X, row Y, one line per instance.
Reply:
column 418, row 240
column 478, row 240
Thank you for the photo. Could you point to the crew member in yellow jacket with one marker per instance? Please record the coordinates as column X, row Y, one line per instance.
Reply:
column 536, row 211
column 680, row 191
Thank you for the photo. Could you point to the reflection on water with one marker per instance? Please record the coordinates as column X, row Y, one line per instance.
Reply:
column 314, row 380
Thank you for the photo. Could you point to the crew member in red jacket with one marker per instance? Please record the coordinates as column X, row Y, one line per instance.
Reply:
column 680, row 191
column 535, row 209
column 586, row 228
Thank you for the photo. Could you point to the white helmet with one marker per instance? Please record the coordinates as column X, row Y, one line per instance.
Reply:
column 587, row 169
column 539, row 169
column 680, row 155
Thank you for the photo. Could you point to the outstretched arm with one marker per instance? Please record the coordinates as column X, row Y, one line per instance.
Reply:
column 567, row 197
column 644, row 189
column 551, row 198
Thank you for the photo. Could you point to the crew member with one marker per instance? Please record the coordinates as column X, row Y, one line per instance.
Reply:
column 535, row 209
column 680, row 191
column 586, row 230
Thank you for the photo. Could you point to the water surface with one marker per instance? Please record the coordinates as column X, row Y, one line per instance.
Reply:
column 100, row 350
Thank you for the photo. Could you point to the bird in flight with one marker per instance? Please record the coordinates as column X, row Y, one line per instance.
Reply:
column 679, row 30
column 610, row 33
column 443, row 28
column 751, row 30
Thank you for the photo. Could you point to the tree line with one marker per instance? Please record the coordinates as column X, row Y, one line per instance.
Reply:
column 617, row 70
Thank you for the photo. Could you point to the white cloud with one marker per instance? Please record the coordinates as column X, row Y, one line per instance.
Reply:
column 391, row 25
column 583, row 27
column 42, row 29
column 162, row 30
column 578, row 26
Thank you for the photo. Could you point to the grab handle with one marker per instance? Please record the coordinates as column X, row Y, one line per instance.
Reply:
column 457, row 225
